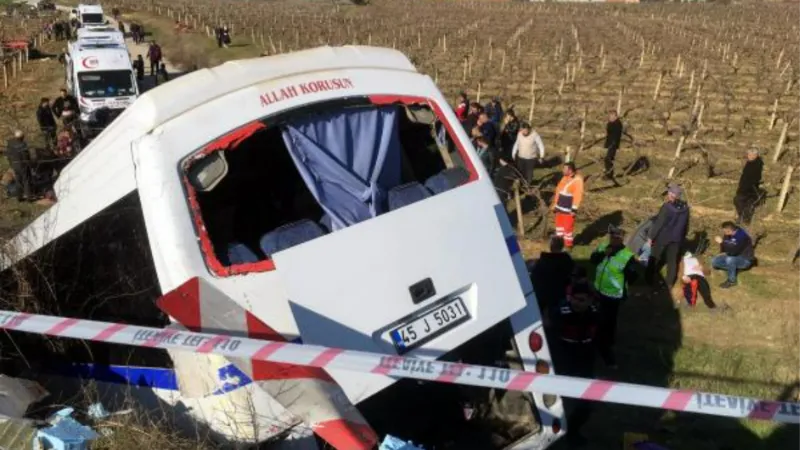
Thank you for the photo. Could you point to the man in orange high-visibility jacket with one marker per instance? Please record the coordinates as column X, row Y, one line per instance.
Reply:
column 566, row 201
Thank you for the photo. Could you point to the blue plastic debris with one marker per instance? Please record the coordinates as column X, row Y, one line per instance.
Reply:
column 97, row 411
column 65, row 433
column 393, row 443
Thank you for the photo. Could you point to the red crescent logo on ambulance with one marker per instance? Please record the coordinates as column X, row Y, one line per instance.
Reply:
column 90, row 62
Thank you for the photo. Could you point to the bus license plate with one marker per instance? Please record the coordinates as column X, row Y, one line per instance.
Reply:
column 429, row 325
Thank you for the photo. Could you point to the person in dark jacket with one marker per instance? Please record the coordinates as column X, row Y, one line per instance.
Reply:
column 509, row 135
column 223, row 37
column 748, row 191
column 613, row 140
column 576, row 325
column 737, row 253
column 138, row 66
column 495, row 111
column 63, row 102
column 47, row 122
column 475, row 110
column 154, row 55
column 19, row 158
column 487, row 128
column 667, row 236
column 551, row 274
column 616, row 269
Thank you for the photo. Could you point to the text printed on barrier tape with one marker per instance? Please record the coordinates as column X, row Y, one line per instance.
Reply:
column 404, row 367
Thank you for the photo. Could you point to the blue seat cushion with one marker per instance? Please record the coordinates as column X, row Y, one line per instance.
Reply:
column 240, row 254
column 289, row 235
column 447, row 179
column 406, row 194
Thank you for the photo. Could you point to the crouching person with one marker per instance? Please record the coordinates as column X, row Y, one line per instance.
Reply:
column 575, row 326
column 737, row 252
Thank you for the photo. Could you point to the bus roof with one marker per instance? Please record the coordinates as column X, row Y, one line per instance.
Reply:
column 93, row 59
column 104, row 171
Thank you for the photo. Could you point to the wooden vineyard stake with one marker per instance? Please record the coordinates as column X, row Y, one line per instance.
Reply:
column 691, row 81
column 779, row 146
column 503, row 62
column 774, row 114
column 778, row 62
column 478, row 96
column 678, row 64
column 677, row 156
column 583, row 131
column 5, row 76
column 603, row 63
column 419, row 40
column 444, row 43
column 641, row 58
column 561, row 87
column 658, row 86
column 568, row 154
column 787, row 182
column 619, row 100
column 533, row 96
column 518, row 207
column 464, row 77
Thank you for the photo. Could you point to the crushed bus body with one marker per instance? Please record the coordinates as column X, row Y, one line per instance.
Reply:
column 331, row 197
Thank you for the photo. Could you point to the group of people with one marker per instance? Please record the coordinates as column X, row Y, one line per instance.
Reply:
column 580, row 311
column 33, row 170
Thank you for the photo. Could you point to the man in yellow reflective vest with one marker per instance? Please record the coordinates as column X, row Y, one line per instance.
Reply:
column 616, row 268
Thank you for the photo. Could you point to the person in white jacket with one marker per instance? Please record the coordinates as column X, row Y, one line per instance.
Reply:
column 527, row 151
column 694, row 282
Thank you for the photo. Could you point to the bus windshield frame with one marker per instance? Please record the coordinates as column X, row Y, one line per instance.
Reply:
column 92, row 18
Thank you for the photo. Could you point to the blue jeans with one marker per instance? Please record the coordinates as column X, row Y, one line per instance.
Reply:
column 731, row 264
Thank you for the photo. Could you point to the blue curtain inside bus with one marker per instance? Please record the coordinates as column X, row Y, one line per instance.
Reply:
column 348, row 159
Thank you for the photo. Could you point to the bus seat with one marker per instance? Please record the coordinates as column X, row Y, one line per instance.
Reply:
column 406, row 194
column 240, row 254
column 447, row 179
column 289, row 235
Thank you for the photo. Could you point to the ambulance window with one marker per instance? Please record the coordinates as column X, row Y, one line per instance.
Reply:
column 293, row 178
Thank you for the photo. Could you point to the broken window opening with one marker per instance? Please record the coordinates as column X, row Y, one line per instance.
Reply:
column 289, row 179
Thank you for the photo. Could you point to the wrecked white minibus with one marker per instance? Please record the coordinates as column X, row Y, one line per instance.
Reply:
column 331, row 192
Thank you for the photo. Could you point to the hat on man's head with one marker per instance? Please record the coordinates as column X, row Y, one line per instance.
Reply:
column 675, row 190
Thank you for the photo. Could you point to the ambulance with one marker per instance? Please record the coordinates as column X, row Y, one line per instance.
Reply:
column 100, row 37
column 328, row 196
column 90, row 15
column 99, row 73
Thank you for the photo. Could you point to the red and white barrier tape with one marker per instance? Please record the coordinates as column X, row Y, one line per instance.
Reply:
column 405, row 367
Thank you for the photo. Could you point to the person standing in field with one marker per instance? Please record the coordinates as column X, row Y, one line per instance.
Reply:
column 615, row 270
column 154, row 55
column 613, row 140
column 576, row 326
column 551, row 274
column 47, row 122
column 462, row 108
column 64, row 102
column 566, row 201
column 138, row 66
column 508, row 135
column 528, row 150
column 667, row 236
column 748, row 192
column 19, row 158
column 495, row 111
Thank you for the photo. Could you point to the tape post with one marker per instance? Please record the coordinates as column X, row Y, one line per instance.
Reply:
column 405, row 367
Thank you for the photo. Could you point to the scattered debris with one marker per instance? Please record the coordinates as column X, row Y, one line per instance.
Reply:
column 65, row 433
column 393, row 443
column 16, row 395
